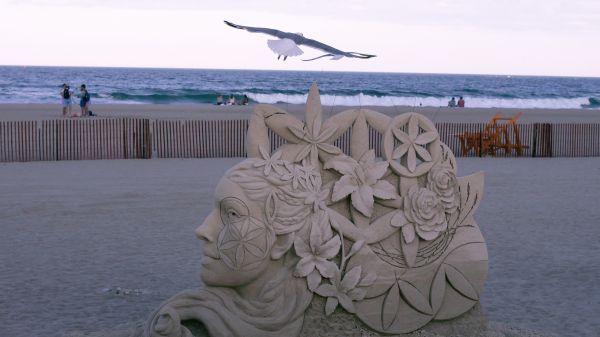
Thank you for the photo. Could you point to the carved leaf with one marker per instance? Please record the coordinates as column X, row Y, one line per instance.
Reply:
column 398, row 220
column 331, row 149
column 359, row 143
column 414, row 298
column 299, row 133
column 346, row 185
column 438, row 288
column 342, row 163
column 411, row 159
column 362, row 200
column 471, row 190
column 351, row 278
column 271, row 207
column 368, row 280
column 313, row 280
column 384, row 190
column 356, row 247
column 391, row 306
column 326, row 290
column 282, row 244
column 401, row 151
column 330, row 305
column 410, row 250
column 459, row 282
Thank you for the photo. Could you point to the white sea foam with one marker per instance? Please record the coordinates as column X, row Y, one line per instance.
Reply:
column 473, row 102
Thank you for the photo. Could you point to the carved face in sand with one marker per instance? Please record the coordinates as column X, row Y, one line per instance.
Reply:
column 237, row 239
column 391, row 240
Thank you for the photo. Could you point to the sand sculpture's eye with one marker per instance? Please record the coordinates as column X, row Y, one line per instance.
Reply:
column 233, row 210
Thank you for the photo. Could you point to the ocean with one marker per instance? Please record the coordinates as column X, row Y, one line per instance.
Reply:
column 31, row 84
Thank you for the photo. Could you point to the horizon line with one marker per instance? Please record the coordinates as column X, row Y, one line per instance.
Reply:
column 296, row 70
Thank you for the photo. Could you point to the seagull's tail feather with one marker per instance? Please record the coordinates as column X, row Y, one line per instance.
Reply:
column 318, row 57
column 360, row 55
column 232, row 24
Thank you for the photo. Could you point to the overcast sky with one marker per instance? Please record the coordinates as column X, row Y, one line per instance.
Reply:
column 526, row 37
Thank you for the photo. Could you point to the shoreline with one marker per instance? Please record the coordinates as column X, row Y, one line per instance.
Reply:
column 39, row 111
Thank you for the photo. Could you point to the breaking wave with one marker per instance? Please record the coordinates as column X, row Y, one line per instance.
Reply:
column 473, row 102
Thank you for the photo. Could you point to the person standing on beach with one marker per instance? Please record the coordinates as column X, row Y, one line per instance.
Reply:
column 84, row 100
column 461, row 102
column 66, row 94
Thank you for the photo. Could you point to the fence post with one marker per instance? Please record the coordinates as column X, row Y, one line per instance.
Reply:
column 542, row 140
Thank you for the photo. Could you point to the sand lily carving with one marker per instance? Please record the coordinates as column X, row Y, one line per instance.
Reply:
column 345, row 290
column 362, row 180
column 316, row 255
column 425, row 214
column 413, row 143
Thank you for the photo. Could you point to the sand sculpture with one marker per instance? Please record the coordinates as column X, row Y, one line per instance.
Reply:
column 392, row 241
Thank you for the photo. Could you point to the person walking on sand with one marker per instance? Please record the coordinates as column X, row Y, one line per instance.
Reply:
column 66, row 94
column 461, row 102
column 84, row 101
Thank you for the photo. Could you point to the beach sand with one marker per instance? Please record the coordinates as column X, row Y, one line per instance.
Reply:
column 207, row 111
column 90, row 248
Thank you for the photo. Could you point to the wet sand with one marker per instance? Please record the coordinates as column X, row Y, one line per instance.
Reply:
column 89, row 248
column 208, row 111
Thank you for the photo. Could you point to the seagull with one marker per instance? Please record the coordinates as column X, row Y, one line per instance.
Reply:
column 288, row 43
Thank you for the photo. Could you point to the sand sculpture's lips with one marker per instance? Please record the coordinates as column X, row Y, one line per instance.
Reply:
column 210, row 254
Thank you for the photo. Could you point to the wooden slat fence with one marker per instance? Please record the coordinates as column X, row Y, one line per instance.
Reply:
column 131, row 138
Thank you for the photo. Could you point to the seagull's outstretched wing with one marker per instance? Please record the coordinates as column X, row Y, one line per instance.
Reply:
column 269, row 31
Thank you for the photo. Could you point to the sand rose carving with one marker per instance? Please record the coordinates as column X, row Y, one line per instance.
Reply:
column 442, row 180
column 391, row 241
column 425, row 213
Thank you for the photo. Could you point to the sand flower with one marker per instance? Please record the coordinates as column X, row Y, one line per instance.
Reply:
column 296, row 175
column 273, row 162
column 413, row 144
column 425, row 214
column 345, row 291
column 315, row 257
column 361, row 180
column 442, row 180
column 315, row 139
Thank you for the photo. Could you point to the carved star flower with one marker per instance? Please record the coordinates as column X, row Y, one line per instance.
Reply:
column 240, row 243
column 361, row 180
column 273, row 162
column 316, row 256
column 296, row 174
column 345, row 291
column 313, row 177
column 317, row 198
column 413, row 144
column 315, row 140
